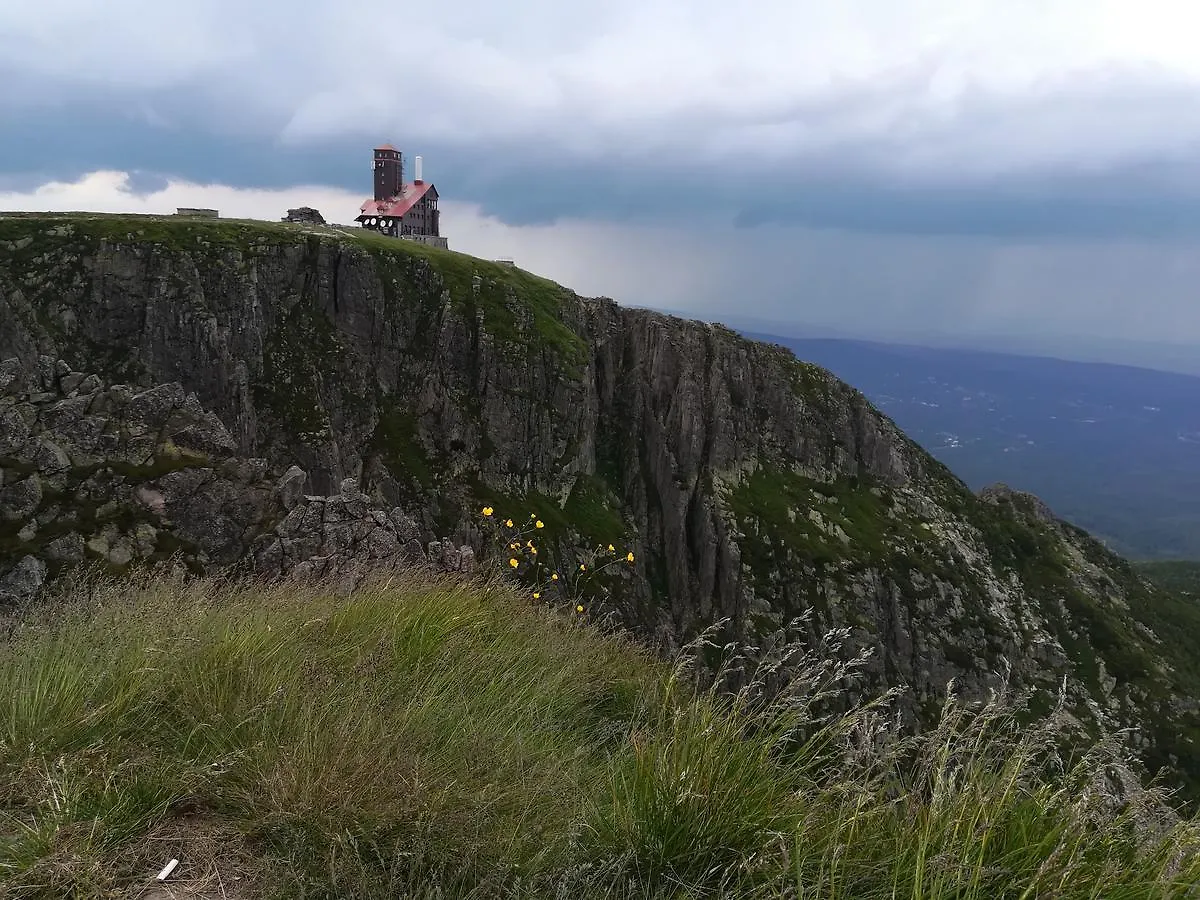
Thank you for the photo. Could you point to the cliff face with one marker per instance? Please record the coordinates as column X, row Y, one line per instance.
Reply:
column 127, row 478
column 749, row 484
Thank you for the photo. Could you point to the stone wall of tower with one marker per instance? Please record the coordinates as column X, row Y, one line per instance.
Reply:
column 389, row 174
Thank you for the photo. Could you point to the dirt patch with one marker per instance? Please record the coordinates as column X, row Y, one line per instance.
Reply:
column 214, row 862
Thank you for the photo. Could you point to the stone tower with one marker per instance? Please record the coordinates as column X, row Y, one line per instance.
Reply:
column 389, row 172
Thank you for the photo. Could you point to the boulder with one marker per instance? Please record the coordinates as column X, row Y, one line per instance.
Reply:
column 22, row 581
column 290, row 487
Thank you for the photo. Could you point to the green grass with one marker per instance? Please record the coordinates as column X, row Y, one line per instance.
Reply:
column 774, row 506
column 1179, row 576
column 522, row 311
column 433, row 738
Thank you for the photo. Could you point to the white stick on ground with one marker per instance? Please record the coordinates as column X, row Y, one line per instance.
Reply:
column 167, row 870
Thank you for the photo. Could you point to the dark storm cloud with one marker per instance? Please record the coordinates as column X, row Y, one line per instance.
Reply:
column 526, row 186
column 951, row 167
column 1072, row 118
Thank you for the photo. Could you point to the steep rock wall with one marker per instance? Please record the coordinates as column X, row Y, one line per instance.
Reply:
column 752, row 486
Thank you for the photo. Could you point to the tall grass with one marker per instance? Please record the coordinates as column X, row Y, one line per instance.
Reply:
column 436, row 738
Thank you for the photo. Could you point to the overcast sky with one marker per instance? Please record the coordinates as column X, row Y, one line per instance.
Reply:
column 938, row 168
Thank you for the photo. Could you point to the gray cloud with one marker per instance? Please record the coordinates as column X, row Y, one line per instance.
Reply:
column 932, row 116
column 1064, row 296
column 929, row 167
column 529, row 185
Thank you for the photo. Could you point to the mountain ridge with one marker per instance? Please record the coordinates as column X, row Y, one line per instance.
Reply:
column 752, row 486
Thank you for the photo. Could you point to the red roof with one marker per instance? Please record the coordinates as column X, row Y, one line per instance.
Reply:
column 397, row 206
column 385, row 147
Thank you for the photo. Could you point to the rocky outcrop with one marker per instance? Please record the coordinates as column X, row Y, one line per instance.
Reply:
column 1033, row 507
column 304, row 215
column 750, row 485
column 346, row 537
column 120, row 477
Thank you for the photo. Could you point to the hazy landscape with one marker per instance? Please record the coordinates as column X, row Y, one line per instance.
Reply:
column 1114, row 449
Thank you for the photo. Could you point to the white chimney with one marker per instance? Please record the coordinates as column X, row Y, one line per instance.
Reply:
column 417, row 169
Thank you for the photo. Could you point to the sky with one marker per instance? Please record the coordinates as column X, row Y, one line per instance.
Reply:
column 999, row 172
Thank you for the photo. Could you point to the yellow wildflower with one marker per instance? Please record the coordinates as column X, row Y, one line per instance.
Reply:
column 629, row 556
column 554, row 577
column 513, row 563
column 533, row 515
column 539, row 524
column 611, row 548
column 487, row 510
column 578, row 609
column 508, row 523
column 512, row 546
column 537, row 595
column 582, row 567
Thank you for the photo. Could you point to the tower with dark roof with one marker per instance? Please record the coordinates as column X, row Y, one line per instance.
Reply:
column 389, row 172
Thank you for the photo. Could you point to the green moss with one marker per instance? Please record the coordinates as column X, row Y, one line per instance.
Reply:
column 1181, row 577
column 301, row 352
column 776, row 504
column 809, row 381
column 1016, row 544
column 167, row 458
column 594, row 511
column 591, row 513
column 396, row 440
column 1111, row 636
column 86, row 512
column 1091, row 629
column 520, row 310
column 17, row 466
column 52, row 231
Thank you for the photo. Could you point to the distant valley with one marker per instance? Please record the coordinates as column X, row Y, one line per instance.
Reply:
column 1115, row 449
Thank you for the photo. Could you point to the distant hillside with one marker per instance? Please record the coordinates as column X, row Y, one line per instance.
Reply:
column 1114, row 449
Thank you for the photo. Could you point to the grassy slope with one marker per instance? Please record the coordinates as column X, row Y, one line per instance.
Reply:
column 1175, row 614
column 1179, row 576
column 424, row 735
